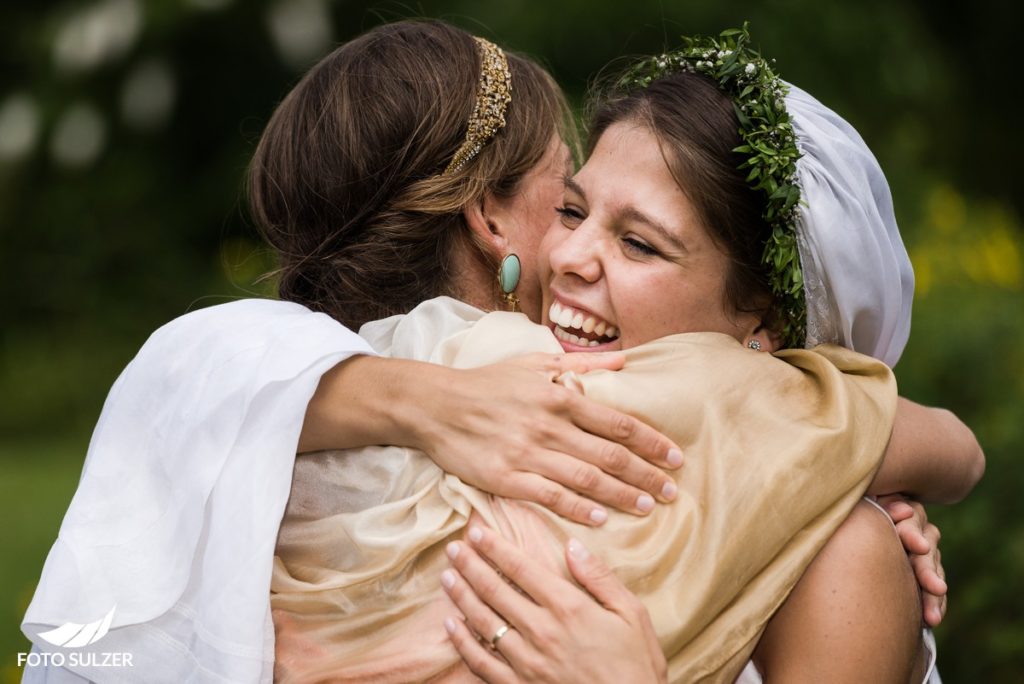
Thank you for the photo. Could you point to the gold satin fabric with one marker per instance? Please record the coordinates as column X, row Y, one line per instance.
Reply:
column 778, row 450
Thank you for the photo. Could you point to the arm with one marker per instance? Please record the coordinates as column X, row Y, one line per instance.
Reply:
column 932, row 456
column 505, row 428
column 854, row 616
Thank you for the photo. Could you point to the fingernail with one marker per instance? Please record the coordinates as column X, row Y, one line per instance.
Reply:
column 448, row 579
column 669, row 491
column 475, row 534
column 577, row 550
column 598, row 516
column 645, row 503
column 452, row 550
column 675, row 458
column 449, row 625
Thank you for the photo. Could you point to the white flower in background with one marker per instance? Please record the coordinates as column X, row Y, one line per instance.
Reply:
column 95, row 34
column 300, row 29
column 148, row 94
column 79, row 136
column 19, row 126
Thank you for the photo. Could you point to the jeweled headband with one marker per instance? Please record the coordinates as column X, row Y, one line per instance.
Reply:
column 493, row 93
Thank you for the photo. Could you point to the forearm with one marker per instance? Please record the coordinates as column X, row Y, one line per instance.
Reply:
column 932, row 456
column 368, row 400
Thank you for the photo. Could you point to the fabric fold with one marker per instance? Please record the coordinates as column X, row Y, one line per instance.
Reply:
column 182, row 491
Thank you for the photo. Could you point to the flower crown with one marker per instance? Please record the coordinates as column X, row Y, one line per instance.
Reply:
column 769, row 143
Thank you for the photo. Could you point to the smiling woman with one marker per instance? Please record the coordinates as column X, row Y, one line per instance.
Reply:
column 640, row 267
column 617, row 243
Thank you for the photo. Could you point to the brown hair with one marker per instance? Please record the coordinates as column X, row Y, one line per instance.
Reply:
column 347, row 186
column 697, row 128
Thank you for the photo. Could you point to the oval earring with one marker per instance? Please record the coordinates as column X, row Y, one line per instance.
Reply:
column 508, row 279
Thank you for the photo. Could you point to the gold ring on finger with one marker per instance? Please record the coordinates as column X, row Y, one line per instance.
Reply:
column 502, row 631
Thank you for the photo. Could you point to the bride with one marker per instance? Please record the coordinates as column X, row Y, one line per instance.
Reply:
column 631, row 266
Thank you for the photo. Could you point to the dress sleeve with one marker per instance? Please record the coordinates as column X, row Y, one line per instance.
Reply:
column 176, row 514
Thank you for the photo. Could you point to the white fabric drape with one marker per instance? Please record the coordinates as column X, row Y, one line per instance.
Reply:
column 181, row 496
column 858, row 279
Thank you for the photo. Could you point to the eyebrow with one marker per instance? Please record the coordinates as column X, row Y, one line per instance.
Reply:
column 631, row 213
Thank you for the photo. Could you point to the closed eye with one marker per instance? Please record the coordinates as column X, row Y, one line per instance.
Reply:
column 571, row 217
column 638, row 247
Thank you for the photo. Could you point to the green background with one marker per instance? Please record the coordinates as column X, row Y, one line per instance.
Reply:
column 101, row 244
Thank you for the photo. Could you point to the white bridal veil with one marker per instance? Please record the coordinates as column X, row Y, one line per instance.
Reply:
column 858, row 280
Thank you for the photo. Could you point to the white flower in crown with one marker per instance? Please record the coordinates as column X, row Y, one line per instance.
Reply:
column 750, row 68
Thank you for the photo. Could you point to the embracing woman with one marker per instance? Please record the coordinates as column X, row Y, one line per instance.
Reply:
column 190, row 469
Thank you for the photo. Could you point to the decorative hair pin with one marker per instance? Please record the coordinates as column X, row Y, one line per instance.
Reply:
column 493, row 94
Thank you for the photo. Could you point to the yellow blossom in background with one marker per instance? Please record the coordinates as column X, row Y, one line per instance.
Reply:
column 966, row 244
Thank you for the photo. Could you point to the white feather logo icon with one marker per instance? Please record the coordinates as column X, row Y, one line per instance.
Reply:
column 74, row 635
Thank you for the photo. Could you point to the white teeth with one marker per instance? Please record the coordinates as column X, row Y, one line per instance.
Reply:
column 565, row 318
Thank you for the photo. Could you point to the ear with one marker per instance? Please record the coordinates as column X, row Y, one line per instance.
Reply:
column 769, row 340
column 486, row 225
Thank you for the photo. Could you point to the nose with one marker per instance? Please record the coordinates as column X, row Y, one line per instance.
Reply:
column 578, row 253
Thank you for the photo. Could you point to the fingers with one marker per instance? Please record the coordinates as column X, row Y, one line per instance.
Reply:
column 625, row 431
column 928, row 567
column 934, row 609
column 898, row 509
column 910, row 519
column 480, row 618
column 480, row 660
column 489, row 603
column 912, row 537
column 545, row 587
column 934, row 592
column 583, row 362
column 593, row 482
column 597, row 578
column 547, row 490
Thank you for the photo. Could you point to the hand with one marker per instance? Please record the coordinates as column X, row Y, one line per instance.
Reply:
column 921, row 540
column 509, row 429
column 557, row 632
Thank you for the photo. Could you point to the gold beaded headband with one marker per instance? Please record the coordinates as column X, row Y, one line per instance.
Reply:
column 493, row 93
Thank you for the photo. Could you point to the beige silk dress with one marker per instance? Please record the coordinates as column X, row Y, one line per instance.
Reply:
column 778, row 449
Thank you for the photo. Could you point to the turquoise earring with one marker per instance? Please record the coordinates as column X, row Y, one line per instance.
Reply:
column 508, row 280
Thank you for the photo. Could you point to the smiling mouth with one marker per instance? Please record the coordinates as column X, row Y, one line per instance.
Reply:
column 580, row 328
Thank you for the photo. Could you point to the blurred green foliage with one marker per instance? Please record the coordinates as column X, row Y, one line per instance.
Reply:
column 103, row 241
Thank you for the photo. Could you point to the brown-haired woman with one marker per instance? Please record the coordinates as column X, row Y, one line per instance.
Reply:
column 375, row 197
column 353, row 185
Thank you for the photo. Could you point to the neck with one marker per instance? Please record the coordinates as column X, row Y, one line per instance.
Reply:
column 474, row 280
